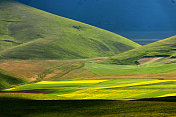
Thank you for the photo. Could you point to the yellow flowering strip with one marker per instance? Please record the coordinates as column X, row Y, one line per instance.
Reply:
column 9, row 89
column 70, row 82
column 105, row 94
column 135, row 84
column 167, row 95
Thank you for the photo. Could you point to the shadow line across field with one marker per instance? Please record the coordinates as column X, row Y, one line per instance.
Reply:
column 18, row 107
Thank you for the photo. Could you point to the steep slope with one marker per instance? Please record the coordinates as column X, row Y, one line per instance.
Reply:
column 29, row 33
column 143, row 21
column 162, row 48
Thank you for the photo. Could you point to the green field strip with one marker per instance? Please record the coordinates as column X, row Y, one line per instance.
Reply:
column 70, row 82
column 135, row 84
column 156, row 93
column 106, row 69
column 168, row 95
column 114, row 89
column 170, row 86
column 105, row 94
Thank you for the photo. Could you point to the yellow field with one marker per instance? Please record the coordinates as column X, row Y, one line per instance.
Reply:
column 105, row 94
column 70, row 82
column 111, row 89
column 167, row 95
column 9, row 89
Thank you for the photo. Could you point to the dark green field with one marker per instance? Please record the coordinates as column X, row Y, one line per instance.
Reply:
column 8, row 80
column 87, row 108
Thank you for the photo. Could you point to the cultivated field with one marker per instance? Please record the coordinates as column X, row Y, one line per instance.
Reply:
column 107, row 89
column 91, row 98
column 87, row 88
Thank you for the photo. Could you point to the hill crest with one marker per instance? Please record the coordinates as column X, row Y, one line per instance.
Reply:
column 29, row 33
column 162, row 48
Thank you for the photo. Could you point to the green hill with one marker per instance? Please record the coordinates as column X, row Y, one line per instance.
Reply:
column 7, row 80
column 162, row 48
column 29, row 33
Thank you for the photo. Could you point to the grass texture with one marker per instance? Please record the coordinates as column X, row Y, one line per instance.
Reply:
column 112, row 89
column 29, row 33
column 87, row 108
column 111, row 69
column 162, row 48
column 8, row 80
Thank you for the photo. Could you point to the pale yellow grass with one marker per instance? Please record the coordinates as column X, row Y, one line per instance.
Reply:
column 70, row 82
column 105, row 94
column 167, row 95
column 9, row 89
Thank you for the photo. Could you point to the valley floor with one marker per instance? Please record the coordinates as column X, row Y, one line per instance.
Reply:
column 87, row 88
column 107, row 89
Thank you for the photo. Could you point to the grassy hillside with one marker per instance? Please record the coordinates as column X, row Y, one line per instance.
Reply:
column 163, row 48
column 29, row 33
column 7, row 80
column 130, row 18
column 126, row 70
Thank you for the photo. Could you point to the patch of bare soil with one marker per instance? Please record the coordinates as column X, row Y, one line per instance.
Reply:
column 148, row 60
column 168, row 60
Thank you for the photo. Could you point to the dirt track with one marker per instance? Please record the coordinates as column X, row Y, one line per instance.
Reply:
column 148, row 60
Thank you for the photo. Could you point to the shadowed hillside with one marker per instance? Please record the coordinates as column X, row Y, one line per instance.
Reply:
column 84, row 108
column 29, row 33
column 7, row 80
column 163, row 48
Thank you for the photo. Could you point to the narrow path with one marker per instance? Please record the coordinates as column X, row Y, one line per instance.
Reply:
column 148, row 60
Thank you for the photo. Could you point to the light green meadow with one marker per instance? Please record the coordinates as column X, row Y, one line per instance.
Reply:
column 111, row 89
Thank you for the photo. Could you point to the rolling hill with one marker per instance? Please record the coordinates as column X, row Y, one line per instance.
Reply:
column 7, row 80
column 162, row 48
column 143, row 21
column 29, row 33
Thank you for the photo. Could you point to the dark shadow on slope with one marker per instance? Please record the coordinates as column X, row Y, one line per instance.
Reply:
column 35, row 91
column 21, row 108
column 12, row 98
column 83, row 108
column 164, row 99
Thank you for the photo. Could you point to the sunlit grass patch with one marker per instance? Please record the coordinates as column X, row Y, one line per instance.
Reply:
column 29, row 96
column 106, row 94
column 156, row 86
column 168, row 95
column 136, row 84
column 156, row 93
column 111, row 89
column 9, row 89
column 70, row 82
column 111, row 69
